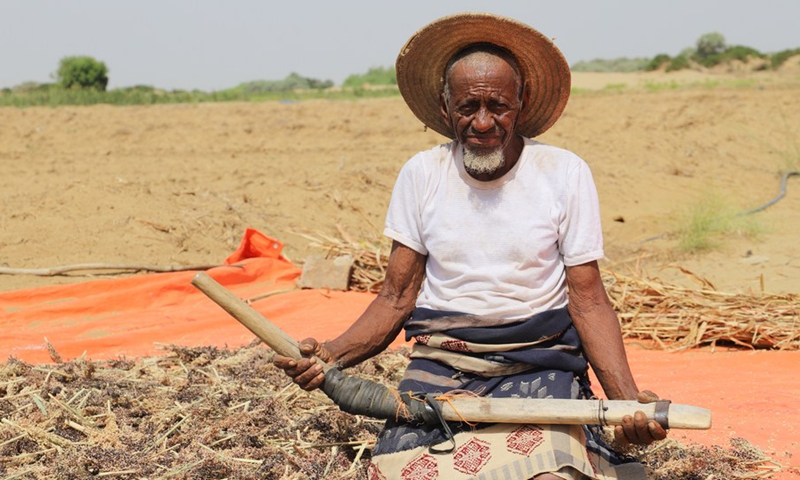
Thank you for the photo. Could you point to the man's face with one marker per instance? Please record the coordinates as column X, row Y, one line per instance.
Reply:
column 483, row 105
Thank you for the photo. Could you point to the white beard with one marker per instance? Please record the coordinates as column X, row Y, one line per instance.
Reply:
column 478, row 164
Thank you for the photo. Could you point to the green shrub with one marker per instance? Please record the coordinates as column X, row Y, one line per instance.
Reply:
column 82, row 72
column 139, row 88
column 657, row 62
column 621, row 64
column 736, row 52
column 778, row 59
column 293, row 81
column 30, row 87
column 710, row 44
column 740, row 52
column 374, row 76
column 711, row 219
column 709, row 61
column 678, row 63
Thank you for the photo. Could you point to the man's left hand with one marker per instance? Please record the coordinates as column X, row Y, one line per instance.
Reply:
column 638, row 429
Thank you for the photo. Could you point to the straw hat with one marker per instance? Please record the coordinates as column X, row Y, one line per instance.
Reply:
column 422, row 61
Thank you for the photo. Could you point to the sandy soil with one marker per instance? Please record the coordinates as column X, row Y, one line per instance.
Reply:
column 177, row 185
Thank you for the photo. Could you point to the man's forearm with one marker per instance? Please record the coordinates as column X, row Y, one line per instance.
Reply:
column 598, row 327
column 383, row 319
column 374, row 330
column 603, row 346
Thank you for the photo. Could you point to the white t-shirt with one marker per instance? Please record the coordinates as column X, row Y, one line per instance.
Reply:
column 497, row 248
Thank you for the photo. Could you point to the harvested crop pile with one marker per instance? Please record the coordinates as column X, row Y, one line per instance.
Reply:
column 679, row 318
column 194, row 413
column 207, row 413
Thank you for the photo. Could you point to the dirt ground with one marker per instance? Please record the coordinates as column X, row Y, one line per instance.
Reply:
column 178, row 184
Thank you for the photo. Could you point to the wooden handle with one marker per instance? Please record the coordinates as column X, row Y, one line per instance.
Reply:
column 262, row 328
column 567, row 412
column 473, row 409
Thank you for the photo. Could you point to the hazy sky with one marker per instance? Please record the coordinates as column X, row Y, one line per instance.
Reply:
column 212, row 45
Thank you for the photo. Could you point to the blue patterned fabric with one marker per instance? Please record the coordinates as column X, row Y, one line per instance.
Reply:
column 558, row 374
column 561, row 350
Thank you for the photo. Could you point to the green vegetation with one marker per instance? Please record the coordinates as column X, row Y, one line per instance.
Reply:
column 292, row 88
column 736, row 52
column 614, row 65
column 710, row 50
column 657, row 62
column 680, row 62
column 292, row 82
column 778, row 59
column 54, row 96
column 82, row 80
column 615, row 87
column 709, row 220
column 375, row 76
column 82, row 72
column 651, row 86
column 710, row 44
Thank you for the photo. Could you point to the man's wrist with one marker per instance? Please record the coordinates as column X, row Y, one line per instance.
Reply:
column 334, row 357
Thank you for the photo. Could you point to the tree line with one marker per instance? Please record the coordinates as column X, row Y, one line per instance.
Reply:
column 84, row 79
column 710, row 50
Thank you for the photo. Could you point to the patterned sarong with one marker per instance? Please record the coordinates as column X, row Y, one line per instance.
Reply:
column 545, row 362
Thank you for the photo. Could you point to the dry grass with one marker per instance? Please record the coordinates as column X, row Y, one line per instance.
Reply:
column 679, row 318
column 672, row 316
column 370, row 257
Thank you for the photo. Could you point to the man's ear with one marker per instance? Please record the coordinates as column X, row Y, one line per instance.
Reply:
column 443, row 111
column 525, row 96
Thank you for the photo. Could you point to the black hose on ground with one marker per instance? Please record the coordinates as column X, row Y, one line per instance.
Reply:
column 781, row 194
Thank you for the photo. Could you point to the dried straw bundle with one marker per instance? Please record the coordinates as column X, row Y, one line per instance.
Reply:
column 370, row 257
column 674, row 317
column 678, row 318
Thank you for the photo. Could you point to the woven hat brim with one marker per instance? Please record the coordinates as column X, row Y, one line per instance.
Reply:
column 422, row 61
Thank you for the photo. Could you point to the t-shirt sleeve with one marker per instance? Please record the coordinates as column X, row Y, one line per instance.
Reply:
column 404, row 217
column 580, row 231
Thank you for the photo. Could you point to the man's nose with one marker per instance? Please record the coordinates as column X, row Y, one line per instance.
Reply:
column 483, row 120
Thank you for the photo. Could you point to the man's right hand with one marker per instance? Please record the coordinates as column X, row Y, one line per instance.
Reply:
column 638, row 429
column 306, row 372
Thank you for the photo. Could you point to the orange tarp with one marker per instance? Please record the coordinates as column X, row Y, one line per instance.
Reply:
column 133, row 316
column 751, row 394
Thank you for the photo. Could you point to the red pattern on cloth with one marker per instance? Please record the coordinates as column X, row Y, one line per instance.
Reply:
column 374, row 473
column 471, row 457
column 524, row 440
column 455, row 346
column 424, row 467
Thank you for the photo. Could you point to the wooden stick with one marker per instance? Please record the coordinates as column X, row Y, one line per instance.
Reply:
column 262, row 328
column 472, row 409
column 53, row 271
column 567, row 412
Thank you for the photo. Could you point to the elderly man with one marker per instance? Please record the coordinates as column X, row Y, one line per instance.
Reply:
column 493, row 269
